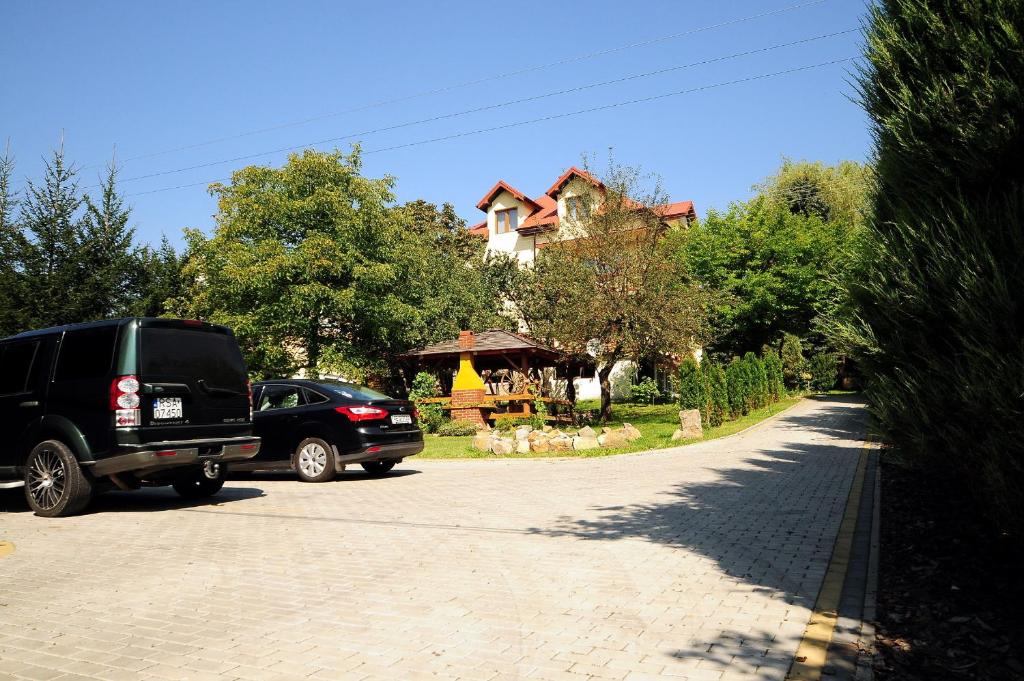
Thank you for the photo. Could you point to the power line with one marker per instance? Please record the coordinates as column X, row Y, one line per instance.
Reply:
column 552, row 117
column 478, row 81
column 490, row 107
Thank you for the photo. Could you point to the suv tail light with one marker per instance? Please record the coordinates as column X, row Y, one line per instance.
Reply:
column 125, row 402
column 362, row 413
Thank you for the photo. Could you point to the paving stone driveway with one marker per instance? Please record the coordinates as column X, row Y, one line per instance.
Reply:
column 701, row 562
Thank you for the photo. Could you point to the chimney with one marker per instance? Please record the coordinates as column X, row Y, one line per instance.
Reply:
column 466, row 340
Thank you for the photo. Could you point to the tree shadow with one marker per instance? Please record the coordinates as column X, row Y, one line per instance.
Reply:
column 757, row 653
column 147, row 499
column 345, row 476
column 771, row 523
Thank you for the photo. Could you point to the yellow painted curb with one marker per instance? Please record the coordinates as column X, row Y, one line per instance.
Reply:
column 6, row 548
column 811, row 653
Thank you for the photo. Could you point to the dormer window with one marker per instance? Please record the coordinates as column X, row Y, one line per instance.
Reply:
column 506, row 220
column 577, row 208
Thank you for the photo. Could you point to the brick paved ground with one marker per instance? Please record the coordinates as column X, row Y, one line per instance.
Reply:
column 699, row 563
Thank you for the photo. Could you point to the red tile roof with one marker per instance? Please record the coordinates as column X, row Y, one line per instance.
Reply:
column 542, row 212
column 499, row 187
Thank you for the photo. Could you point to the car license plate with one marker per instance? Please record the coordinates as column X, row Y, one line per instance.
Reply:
column 167, row 408
column 401, row 418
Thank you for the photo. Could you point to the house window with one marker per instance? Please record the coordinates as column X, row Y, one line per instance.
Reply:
column 576, row 207
column 506, row 220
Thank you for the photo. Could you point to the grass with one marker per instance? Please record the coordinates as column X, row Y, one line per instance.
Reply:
column 656, row 422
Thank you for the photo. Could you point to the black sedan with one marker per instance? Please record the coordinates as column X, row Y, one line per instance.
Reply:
column 317, row 427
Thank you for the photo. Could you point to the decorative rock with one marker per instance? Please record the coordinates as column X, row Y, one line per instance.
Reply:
column 482, row 441
column 614, row 438
column 540, row 445
column 606, row 429
column 523, row 446
column 547, row 429
column 560, row 444
column 689, row 424
column 523, row 432
column 581, row 442
column 503, row 447
column 678, row 435
column 632, row 433
column 586, row 431
column 537, row 435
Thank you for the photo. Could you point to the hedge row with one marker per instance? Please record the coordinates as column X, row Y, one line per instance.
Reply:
column 727, row 393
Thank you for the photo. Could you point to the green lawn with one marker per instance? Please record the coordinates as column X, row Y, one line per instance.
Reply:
column 657, row 423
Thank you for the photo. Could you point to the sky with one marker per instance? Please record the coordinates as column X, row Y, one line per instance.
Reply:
column 166, row 87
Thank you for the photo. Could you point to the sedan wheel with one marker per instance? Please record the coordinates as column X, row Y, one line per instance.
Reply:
column 314, row 460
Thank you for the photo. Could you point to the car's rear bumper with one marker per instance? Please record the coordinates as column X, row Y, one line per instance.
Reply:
column 398, row 450
column 156, row 456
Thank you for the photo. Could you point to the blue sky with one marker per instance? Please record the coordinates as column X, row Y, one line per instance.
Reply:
column 151, row 77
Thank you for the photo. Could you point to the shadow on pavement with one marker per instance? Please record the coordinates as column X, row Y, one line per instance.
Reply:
column 771, row 524
column 145, row 499
column 347, row 476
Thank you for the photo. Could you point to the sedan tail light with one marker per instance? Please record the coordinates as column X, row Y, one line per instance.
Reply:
column 362, row 413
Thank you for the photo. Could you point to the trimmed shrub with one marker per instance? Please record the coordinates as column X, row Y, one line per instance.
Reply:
column 758, row 381
column 793, row 362
column 431, row 415
column 773, row 375
column 737, row 386
column 456, row 429
column 718, row 393
column 824, row 369
column 693, row 392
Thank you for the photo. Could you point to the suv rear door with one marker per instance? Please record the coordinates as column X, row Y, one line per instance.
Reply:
column 194, row 382
column 21, row 396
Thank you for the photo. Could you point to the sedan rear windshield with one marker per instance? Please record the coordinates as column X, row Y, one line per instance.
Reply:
column 353, row 391
column 193, row 353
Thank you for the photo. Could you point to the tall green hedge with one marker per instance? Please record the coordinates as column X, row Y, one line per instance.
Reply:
column 736, row 382
column 692, row 389
column 718, row 393
column 939, row 308
column 773, row 375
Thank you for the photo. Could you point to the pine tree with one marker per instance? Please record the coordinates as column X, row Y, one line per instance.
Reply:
column 692, row 392
column 718, row 392
column 108, row 260
column 52, row 251
column 12, row 246
column 155, row 279
column 736, row 384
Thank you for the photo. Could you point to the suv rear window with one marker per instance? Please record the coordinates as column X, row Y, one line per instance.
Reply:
column 15, row 364
column 210, row 355
column 86, row 353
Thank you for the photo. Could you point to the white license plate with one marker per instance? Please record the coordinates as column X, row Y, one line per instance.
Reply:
column 167, row 408
column 401, row 418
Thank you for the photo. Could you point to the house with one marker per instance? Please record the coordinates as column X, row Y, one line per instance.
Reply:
column 519, row 225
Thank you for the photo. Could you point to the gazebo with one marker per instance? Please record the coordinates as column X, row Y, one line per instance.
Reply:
column 496, row 373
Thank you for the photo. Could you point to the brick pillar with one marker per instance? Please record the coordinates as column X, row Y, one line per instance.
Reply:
column 465, row 406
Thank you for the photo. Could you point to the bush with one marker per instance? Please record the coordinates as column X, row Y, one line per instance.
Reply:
column 824, row 369
column 736, row 384
column 505, row 423
column 757, row 380
column 773, row 375
column 431, row 415
column 645, row 392
column 718, row 393
column 793, row 362
column 456, row 429
column 693, row 392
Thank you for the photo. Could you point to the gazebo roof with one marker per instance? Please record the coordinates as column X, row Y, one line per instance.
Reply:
column 490, row 342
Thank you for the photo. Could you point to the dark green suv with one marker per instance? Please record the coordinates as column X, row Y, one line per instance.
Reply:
column 119, row 404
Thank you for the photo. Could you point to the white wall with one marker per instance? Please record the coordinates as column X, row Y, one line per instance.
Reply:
column 511, row 242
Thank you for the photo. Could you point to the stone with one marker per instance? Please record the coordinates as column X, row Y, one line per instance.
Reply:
column 560, row 444
column 523, row 432
column 689, row 423
column 503, row 446
column 540, row 446
column 632, row 433
column 606, row 429
column 614, row 438
column 586, row 431
column 523, row 446
column 548, row 429
column 581, row 442
column 482, row 441
column 678, row 435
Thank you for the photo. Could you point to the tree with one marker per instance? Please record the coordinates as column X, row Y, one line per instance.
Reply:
column 774, row 374
column 610, row 285
column 51, row 257
column 793, row 362
column 13, row 292
column 108, row 260
column 736, row 385
column 938, row 320
column 315, row 268
column 718, row 392
column 156, row 280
